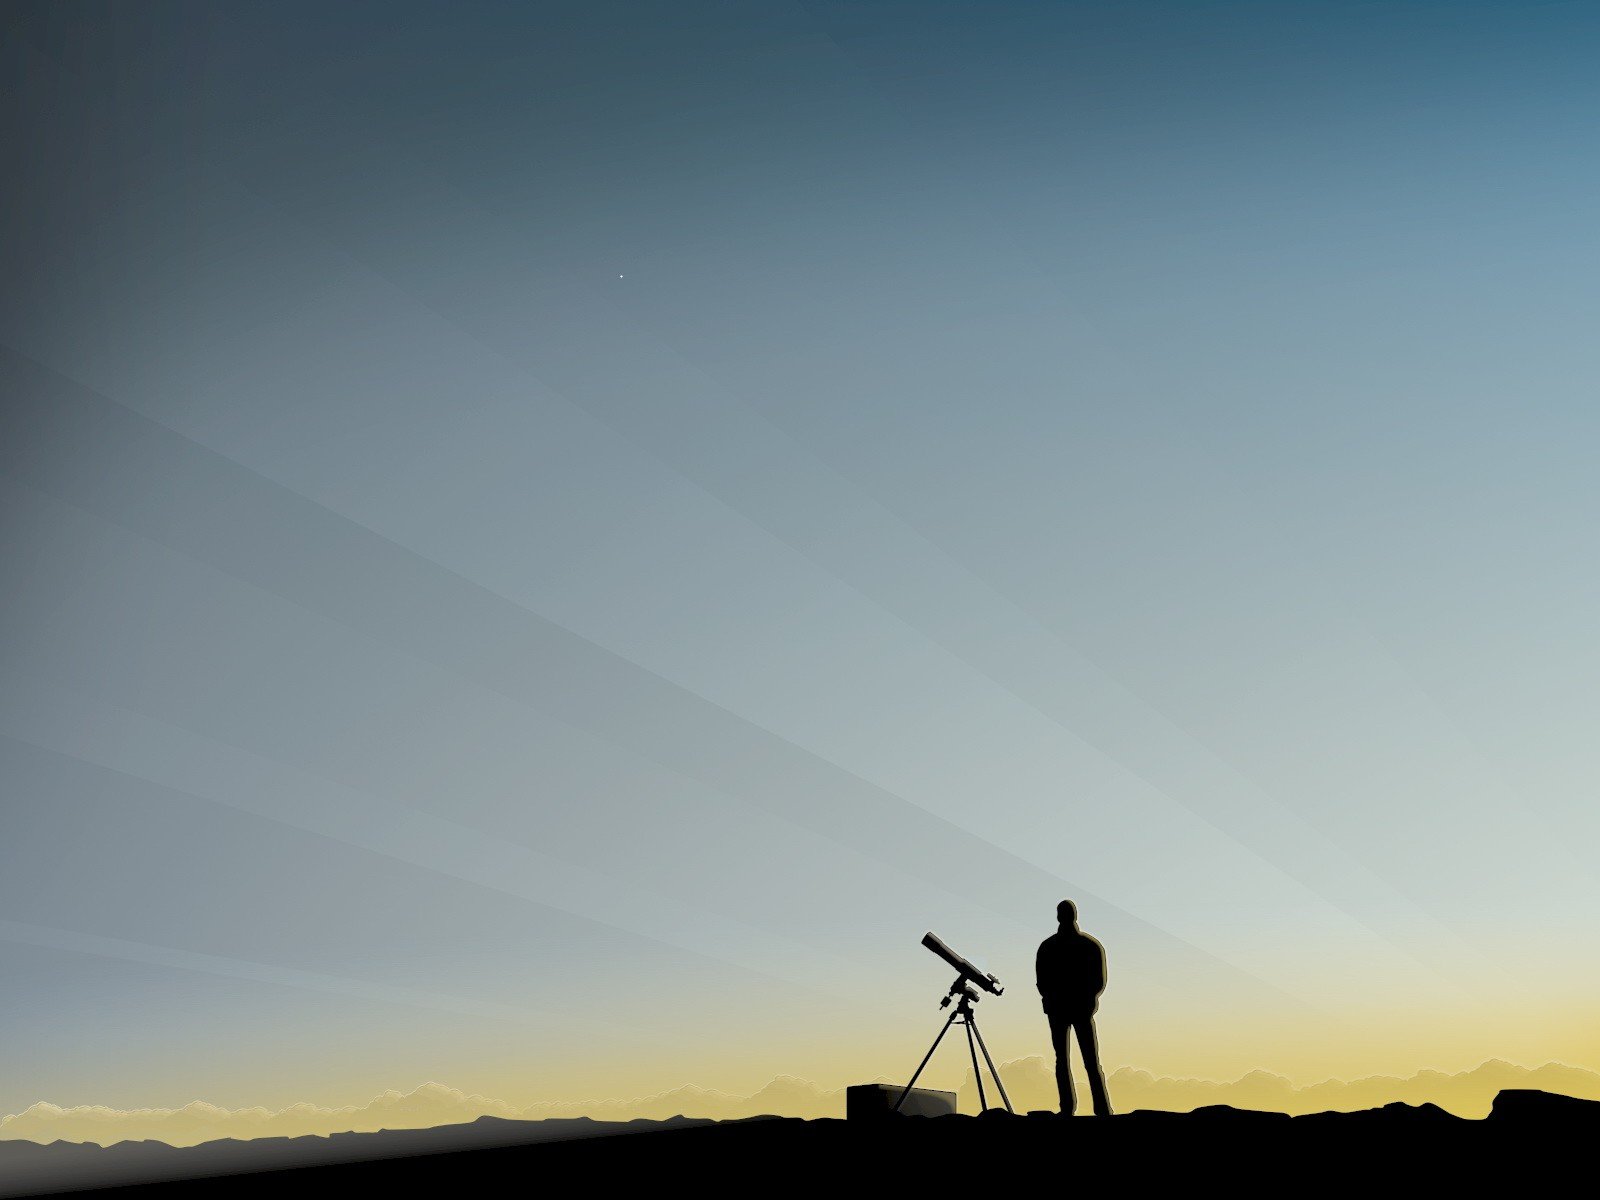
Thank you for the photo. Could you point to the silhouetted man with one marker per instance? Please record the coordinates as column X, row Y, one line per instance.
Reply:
column 1071, row 971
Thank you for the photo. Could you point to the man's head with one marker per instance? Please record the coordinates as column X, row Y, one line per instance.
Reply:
column 1067, row 912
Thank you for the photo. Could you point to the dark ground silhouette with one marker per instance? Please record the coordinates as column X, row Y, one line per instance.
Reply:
column 1532, row 1140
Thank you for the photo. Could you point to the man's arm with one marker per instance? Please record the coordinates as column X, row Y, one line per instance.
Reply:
column 1098, row 967
column 1039, row 973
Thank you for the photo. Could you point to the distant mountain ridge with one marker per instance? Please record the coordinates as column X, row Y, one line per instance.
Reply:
column 429, row 1105
column 1030, row 1082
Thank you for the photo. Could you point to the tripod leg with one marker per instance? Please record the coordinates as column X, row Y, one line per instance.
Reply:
column 973, row 1027
column 983, row 1101
column 949, row 1022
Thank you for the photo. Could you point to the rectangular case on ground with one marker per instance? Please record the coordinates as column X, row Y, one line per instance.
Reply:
column 869, row 1101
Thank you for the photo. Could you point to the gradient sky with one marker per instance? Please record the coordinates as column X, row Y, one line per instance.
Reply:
column 544, row 545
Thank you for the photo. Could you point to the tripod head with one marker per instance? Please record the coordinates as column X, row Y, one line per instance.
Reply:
column 963, row 989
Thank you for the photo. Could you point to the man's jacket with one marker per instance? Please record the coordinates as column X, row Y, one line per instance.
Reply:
column 1071, row 972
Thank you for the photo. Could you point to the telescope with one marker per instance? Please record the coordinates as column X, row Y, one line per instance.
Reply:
column 964, row 991
column 968, row 972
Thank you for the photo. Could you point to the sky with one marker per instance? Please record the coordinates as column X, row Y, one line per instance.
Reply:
column 545, row 545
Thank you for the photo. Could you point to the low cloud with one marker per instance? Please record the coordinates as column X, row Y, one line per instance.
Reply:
column 428, row 1105
column 1030, row 1082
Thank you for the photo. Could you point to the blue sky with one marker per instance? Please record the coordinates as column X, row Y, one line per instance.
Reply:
column 547, row 544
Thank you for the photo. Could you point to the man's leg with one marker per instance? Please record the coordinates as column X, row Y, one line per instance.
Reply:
column 1089, row 1047
column 1059, row 1029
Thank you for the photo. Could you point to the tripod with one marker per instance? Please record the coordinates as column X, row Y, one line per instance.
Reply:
column 964, row 1014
